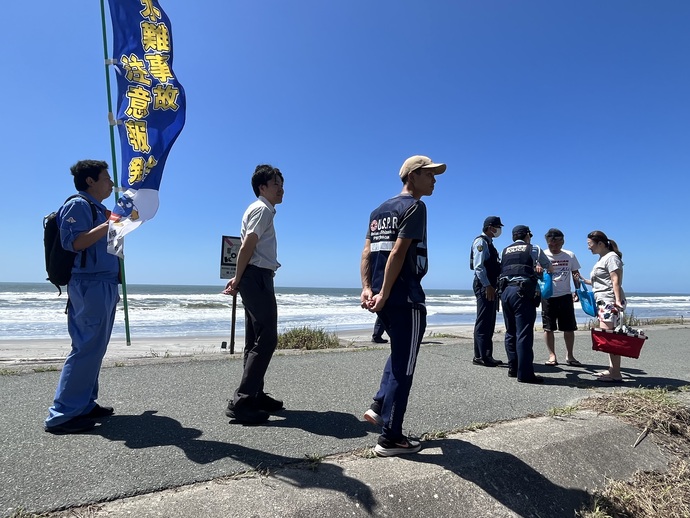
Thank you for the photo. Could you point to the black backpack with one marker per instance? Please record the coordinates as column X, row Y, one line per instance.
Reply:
column 59, row 262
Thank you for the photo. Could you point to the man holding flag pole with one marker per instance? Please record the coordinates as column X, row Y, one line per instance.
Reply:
column 150, row 116
column 92, row 300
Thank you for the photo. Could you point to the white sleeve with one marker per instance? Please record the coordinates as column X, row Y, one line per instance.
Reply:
column 259, row 221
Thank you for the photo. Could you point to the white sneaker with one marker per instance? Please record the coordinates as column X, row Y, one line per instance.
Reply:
column 386, row 448
column 373, row 418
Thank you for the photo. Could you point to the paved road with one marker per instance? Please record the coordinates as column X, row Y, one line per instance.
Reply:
column 170, row 429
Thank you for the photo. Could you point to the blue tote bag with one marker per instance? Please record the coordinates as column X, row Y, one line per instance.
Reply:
column 587, row 301
column 546, row 285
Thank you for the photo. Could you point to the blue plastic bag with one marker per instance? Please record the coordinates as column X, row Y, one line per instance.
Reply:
column 587, row 301
column 546, row 285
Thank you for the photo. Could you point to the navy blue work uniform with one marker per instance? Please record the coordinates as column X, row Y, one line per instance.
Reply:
column 404, row 314
column 518, row 286
column 93, row 297
column 487, row 267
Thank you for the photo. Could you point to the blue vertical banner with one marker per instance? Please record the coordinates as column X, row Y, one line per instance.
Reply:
column 150, row 110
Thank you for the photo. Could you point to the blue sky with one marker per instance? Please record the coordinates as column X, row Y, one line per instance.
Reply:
column 567, row 114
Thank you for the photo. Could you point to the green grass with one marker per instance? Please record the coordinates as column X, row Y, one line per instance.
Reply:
column 442, row 335
column 562, row 411
column 636, row 322
column 49, row 368
column 9, row 372
column 313, row 460
column 307, row 338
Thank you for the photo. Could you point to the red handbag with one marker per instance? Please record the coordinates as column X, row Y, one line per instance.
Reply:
column 618, row 342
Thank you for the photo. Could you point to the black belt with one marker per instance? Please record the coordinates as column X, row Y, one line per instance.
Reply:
column 252, row 267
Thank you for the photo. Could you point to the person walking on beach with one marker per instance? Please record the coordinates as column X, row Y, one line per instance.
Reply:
column 518, row 286
column 486, row 264
column 558, row 311
column 257, row 263
column 92, row 299
column 377, row 336
column 607, row 284
column 394, row 260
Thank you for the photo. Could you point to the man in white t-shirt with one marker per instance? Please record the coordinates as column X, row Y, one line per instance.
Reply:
column 558, row 311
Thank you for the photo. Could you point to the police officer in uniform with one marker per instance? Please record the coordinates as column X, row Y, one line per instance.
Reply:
column 520, row 297
column 486, row 264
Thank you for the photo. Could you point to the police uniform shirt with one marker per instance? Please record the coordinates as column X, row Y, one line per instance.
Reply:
column 480, row 254
column 538, row 256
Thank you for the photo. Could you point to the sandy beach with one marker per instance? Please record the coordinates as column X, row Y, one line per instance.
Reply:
column 31, row 351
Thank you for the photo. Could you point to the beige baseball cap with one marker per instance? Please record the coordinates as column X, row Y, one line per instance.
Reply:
column 420, row 162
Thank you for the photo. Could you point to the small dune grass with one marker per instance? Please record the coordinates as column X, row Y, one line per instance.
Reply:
column 307, row 338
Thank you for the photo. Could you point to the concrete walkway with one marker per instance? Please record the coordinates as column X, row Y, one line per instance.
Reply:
column 170, row 451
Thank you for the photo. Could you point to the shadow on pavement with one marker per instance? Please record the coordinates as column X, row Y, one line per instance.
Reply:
column 505, row 478
column 333, row 424
column 149, row 430
column 583, row 377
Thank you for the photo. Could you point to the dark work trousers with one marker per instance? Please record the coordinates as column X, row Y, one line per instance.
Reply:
column 378, row 328
column 519, row 314
column 485, row 323
column 260, row 331
column 405, row 326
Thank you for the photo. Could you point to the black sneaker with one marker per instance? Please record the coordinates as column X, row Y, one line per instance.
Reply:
column 99, row 412
column 246, row 414
column 373, row 415
column 486, row 362
column 512, row 373
column 386, row 448
column 497, row 362
column 379, row 340
column 268, row 404
column 74, row 425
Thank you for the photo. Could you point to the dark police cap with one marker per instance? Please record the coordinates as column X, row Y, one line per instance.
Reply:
column 521, row 230
column 493, row 221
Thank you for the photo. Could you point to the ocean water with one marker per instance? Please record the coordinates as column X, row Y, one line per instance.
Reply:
column 34, row 310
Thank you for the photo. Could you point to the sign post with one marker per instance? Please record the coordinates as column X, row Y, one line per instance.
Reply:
column 230, row 249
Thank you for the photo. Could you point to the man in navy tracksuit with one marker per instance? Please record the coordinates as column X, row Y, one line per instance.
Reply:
column 394, row 260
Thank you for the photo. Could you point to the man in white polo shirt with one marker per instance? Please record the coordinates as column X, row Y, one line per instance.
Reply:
column 257, row 263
